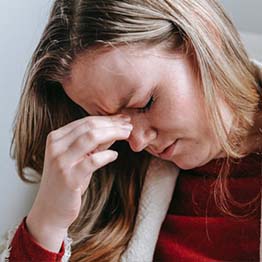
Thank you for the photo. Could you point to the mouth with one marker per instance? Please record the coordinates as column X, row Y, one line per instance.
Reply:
column 168, row 152
column 161, row 152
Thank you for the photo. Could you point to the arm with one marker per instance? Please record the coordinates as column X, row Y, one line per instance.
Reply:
column 21, row 246
column 73, row 153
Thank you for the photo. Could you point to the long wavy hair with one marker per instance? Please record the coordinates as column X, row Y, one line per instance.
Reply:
column 109, row 206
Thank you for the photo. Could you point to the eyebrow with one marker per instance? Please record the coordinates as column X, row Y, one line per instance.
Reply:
column 124, row 101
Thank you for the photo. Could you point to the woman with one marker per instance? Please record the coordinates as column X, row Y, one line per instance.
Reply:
column 189, row 99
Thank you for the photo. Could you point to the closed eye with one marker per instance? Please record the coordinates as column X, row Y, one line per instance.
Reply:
column 147, row 106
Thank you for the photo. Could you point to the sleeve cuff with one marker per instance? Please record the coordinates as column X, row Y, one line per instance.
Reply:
column 25, row 247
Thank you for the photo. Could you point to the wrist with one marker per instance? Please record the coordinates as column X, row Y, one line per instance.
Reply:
column 47, row 235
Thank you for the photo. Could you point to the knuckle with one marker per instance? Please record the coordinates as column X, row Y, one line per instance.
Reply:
column 82, row 129
column 81, row 141
column 61, row 166
column 93, row 161
column 51, row 137
column 91, row 135
column 52, row 150
column 90, row 123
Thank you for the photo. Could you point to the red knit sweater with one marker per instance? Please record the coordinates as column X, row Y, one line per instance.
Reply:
column 26, row 249
column 194, row 229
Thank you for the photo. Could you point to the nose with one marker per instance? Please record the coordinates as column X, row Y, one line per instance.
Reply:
column 141, row 135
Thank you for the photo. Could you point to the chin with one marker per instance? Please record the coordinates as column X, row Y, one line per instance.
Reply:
column 187, row 163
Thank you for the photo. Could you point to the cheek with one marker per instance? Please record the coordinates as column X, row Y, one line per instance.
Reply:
column 192, row 153
column 188, row 153
column 180, row 112
column 189, row 118
column 72, row 95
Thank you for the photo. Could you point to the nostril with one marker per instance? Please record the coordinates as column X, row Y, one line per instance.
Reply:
column 140, row 137
column 135, row 146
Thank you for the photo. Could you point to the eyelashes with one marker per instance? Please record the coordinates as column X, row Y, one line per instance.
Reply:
column 147, row 106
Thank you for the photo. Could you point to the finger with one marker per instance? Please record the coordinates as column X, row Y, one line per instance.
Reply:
column 82, row 172
column 103, row 147
column 86, row 127
column 89, row 121
column 55, row 149
column 90, row 141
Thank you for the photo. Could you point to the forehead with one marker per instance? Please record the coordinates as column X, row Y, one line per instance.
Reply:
column 112, row 64
column 104, row 77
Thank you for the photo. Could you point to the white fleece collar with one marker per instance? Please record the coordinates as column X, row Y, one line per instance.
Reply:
column 154, row 202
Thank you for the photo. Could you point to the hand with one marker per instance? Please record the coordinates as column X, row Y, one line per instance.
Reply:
column 73, row 153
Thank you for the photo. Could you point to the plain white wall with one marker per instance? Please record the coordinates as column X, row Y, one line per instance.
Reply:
column 245, row 14
column 21, row 24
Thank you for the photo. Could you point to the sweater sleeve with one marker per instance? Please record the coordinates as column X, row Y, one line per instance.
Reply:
column 24, row 248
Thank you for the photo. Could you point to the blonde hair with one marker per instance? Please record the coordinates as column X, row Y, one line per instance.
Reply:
column 109, row 205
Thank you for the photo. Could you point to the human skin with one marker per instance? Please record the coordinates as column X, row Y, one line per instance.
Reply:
column 97, row 83
column 69, row 164
column 100, row 79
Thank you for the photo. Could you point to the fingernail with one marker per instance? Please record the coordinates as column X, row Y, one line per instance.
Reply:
column 115, row 156
column 127, row 126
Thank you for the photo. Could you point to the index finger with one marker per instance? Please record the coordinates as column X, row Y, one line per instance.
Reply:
column 64, row 130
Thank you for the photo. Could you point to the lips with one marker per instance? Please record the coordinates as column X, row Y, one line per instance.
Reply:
column 160, row 152
column 155, row 152
column 167, row 153
column 165, row 149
